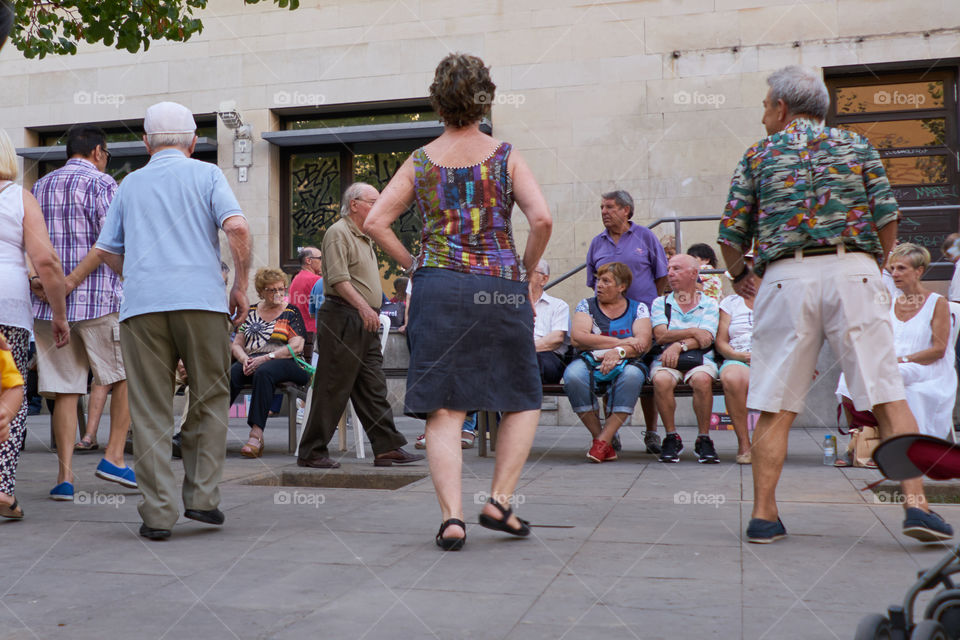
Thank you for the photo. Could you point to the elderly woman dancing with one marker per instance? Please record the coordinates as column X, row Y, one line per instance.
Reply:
column 471, row 331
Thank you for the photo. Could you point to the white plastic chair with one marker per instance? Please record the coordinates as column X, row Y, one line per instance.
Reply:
column 342, row 426
column 952, row 344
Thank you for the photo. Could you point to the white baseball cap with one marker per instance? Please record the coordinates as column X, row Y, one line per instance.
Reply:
column 168, row 117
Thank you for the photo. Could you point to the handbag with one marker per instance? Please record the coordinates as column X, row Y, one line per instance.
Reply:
column 689, row 359
column 306, row 366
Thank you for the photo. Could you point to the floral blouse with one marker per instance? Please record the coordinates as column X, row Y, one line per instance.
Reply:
column 259, row 335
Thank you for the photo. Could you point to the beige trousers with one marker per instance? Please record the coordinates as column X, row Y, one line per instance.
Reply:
column 152, row 344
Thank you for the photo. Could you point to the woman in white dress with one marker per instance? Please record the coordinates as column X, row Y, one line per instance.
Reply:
column 921, row 333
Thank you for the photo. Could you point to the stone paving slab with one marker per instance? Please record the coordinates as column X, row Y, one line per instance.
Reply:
column 630, row 549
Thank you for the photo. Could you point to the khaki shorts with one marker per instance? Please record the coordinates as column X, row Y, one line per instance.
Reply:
column 803, row 301
column 94, row 345
column 707, row 367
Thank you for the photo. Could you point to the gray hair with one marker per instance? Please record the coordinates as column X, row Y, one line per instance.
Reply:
column 801, row 89
column 622, row 198
column 157, row 140
column 353, row 192
column 544, row 267
column 304, row 253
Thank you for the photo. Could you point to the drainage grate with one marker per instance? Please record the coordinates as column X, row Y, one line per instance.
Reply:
column 337, row 479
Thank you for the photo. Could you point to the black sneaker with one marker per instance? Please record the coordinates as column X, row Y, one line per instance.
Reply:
column 652, row 441
column 705, row 449
column 926, row 527
column 764, row 531
column 672, row 448
column 616, row 442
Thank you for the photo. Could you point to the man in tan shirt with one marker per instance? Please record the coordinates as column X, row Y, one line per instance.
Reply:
column 351, row 365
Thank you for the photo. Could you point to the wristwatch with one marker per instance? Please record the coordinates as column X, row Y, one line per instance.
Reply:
column 683, row 346
column 272, row 355
column 622, row 352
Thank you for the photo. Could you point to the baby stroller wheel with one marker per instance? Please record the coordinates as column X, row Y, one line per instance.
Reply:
column 873, row 627
column 945, row 609
column 928, row 630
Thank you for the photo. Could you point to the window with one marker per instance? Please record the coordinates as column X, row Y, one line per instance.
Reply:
column 323, row 153
column 911, row 119
column 125, row 142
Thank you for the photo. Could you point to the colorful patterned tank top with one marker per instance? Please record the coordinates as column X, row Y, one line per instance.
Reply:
column 466, row 216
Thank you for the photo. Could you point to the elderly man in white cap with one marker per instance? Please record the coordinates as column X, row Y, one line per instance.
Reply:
column 161, row 234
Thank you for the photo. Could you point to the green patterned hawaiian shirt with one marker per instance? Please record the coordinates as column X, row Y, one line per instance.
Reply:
column 804, row 187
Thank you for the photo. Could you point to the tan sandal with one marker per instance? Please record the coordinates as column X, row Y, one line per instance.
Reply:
column 252, row 451
column 11, row 511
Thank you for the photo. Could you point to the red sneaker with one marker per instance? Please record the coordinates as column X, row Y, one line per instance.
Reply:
column 601, row 452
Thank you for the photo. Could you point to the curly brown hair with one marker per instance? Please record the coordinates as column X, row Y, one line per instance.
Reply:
column 266, row 276
column 462, row 90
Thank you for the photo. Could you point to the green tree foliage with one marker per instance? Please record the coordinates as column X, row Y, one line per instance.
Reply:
column 42, row 27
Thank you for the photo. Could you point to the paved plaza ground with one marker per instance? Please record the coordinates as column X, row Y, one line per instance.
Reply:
column 629, row 549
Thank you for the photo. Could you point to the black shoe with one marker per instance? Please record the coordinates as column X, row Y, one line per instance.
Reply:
column 616, row 442
column 652, row 441
column 926, row 527
column 672, row 448
column 764, row 531
column 177, row 451
column 211, row 516
column 705, row 449
column 154, row 534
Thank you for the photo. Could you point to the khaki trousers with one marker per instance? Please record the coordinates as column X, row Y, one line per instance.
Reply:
column 152, row 344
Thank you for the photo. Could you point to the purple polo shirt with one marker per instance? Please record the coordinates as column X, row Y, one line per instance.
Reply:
column 640, row 250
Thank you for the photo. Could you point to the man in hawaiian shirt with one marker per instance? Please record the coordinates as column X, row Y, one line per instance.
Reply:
column 817, row 203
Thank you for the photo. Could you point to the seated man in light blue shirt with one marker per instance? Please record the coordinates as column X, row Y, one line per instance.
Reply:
column 685, row 322
column 162, row 235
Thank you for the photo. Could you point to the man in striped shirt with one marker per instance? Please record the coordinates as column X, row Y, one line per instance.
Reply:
column 75, row 199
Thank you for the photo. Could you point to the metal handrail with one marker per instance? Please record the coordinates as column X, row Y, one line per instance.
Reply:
column 676, row 234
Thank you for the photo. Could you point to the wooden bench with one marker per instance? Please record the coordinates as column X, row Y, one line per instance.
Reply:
column 487, row 420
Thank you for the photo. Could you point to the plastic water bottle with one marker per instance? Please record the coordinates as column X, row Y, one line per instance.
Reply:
column 829, row 450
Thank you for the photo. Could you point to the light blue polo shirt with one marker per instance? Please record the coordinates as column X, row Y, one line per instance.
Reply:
column 706, row 315
column 164, row 221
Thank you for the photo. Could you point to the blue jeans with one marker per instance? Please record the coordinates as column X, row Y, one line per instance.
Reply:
column 624, row 390
column 470, row 423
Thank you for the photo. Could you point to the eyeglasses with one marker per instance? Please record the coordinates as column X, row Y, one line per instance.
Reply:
column 109, row 155
column 370, row 202
column 275, row 291
column 545, row 275
column 313, row 257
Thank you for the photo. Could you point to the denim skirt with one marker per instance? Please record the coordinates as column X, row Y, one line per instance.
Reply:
column 471, row 344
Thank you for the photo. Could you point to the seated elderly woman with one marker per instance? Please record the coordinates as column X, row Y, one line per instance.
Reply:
column 262, row 354
column 615, row 331
column 921, row 336
column 734, row 336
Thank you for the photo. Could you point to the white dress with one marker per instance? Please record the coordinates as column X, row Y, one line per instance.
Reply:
column 16, row 309
column 931, row 388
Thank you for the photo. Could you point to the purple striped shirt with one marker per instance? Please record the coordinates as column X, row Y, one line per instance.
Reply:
column 74, row 200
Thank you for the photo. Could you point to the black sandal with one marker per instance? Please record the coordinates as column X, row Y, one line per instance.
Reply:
column 501, row 525
column 451, row 544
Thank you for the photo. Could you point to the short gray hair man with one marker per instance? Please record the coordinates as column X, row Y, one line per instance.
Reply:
column 622, row 198
column 353, row 192
column 801, row 89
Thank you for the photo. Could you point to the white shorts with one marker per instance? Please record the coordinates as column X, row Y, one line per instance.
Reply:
column 801, row 302
column 94, row 346
column 707, row 367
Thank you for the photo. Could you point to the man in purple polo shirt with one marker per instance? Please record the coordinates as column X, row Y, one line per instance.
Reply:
column 75, row 199
column 638, row 248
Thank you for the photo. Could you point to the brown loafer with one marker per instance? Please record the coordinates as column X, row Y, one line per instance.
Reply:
column 318, row 463
column 398, row 456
